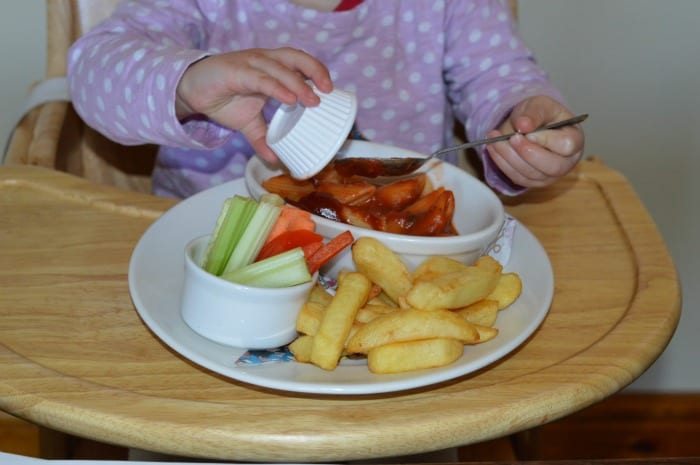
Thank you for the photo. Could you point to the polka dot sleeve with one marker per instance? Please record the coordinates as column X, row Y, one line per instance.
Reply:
column 123, row 76
column 498, row 72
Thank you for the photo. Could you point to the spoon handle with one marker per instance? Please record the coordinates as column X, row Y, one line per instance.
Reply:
column 555, row 125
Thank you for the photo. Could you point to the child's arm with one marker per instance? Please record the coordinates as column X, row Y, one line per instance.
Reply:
column 232, row 88
column 491, row 76
column 138, row 74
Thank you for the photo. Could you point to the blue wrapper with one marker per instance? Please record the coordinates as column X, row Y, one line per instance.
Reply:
column 260, row 357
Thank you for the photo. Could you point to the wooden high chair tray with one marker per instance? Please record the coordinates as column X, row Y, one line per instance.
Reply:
column 76, row 357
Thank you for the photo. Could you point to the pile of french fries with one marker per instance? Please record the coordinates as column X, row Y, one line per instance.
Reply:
column 400, row 320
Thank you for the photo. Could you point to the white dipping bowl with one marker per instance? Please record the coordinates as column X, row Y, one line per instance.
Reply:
column 305, row 139
column 235, row 314
column 478, row 215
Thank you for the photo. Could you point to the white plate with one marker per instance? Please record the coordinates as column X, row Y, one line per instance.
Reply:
column 156, row 275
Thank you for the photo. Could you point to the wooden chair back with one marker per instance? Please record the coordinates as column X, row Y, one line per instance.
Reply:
column 54, row 136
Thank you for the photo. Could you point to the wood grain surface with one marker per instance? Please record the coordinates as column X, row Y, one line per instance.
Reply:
column 75, row 357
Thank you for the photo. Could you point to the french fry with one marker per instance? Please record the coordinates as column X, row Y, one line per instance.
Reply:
column 371, row 311
column 489, row 263
column 382, row 299
column 414, row 355
column 454, row 290
column 483, row 312
column 301, row 348
column 353, row 329
column 381, row 266
column 342, row 273
column 338, row 319
column 435, row 266
column 319, row 295
column 486, row 333
column 374, row 293
column 410, row 325
column 309, row 318
column 403, row 321
column 507, row 290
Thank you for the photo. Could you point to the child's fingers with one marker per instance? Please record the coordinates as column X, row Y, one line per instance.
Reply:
column 271, row 78
column 566, row 142
column 255, row 132
column 293, row 69
column 307, row 66
column 528, row 164
column 507, row 152
column 542, row 160
column 515, row 166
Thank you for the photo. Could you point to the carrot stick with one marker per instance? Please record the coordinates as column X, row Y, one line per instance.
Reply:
column 290, row 219
column 329, row 250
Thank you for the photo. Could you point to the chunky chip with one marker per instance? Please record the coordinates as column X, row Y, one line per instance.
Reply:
column 405, row 356
column 338, row 319
column 507, row 290
column 309, row 318
column 454, row 290
column 301, row 348
column 489, row 263
column 435, row 266
column 403, row 321
column 319, row 295
column 483, row 312
column 409, row 325
column 382, row 266
column 486, row 333
column 371, row 311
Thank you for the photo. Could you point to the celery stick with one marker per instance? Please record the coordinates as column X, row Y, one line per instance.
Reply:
column 255, row 234
column 282, row 270
column 272, row 198
column 235, row 215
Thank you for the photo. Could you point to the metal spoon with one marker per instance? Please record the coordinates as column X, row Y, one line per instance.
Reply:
column 400, row 166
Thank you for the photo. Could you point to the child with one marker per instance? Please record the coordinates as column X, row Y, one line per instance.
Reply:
column 201, row 77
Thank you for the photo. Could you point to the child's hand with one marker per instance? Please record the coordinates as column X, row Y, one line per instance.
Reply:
column 538, row 159
column 232, row 88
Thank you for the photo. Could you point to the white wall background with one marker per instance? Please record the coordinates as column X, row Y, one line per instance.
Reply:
column 22, row 57
column 634, row 65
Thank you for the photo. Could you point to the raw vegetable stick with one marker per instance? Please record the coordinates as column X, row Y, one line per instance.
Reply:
column 255, row 233
column 282, row 270
column 291, row 219
column 232, row 221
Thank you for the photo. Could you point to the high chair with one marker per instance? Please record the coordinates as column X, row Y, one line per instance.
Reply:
column 53, row 135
